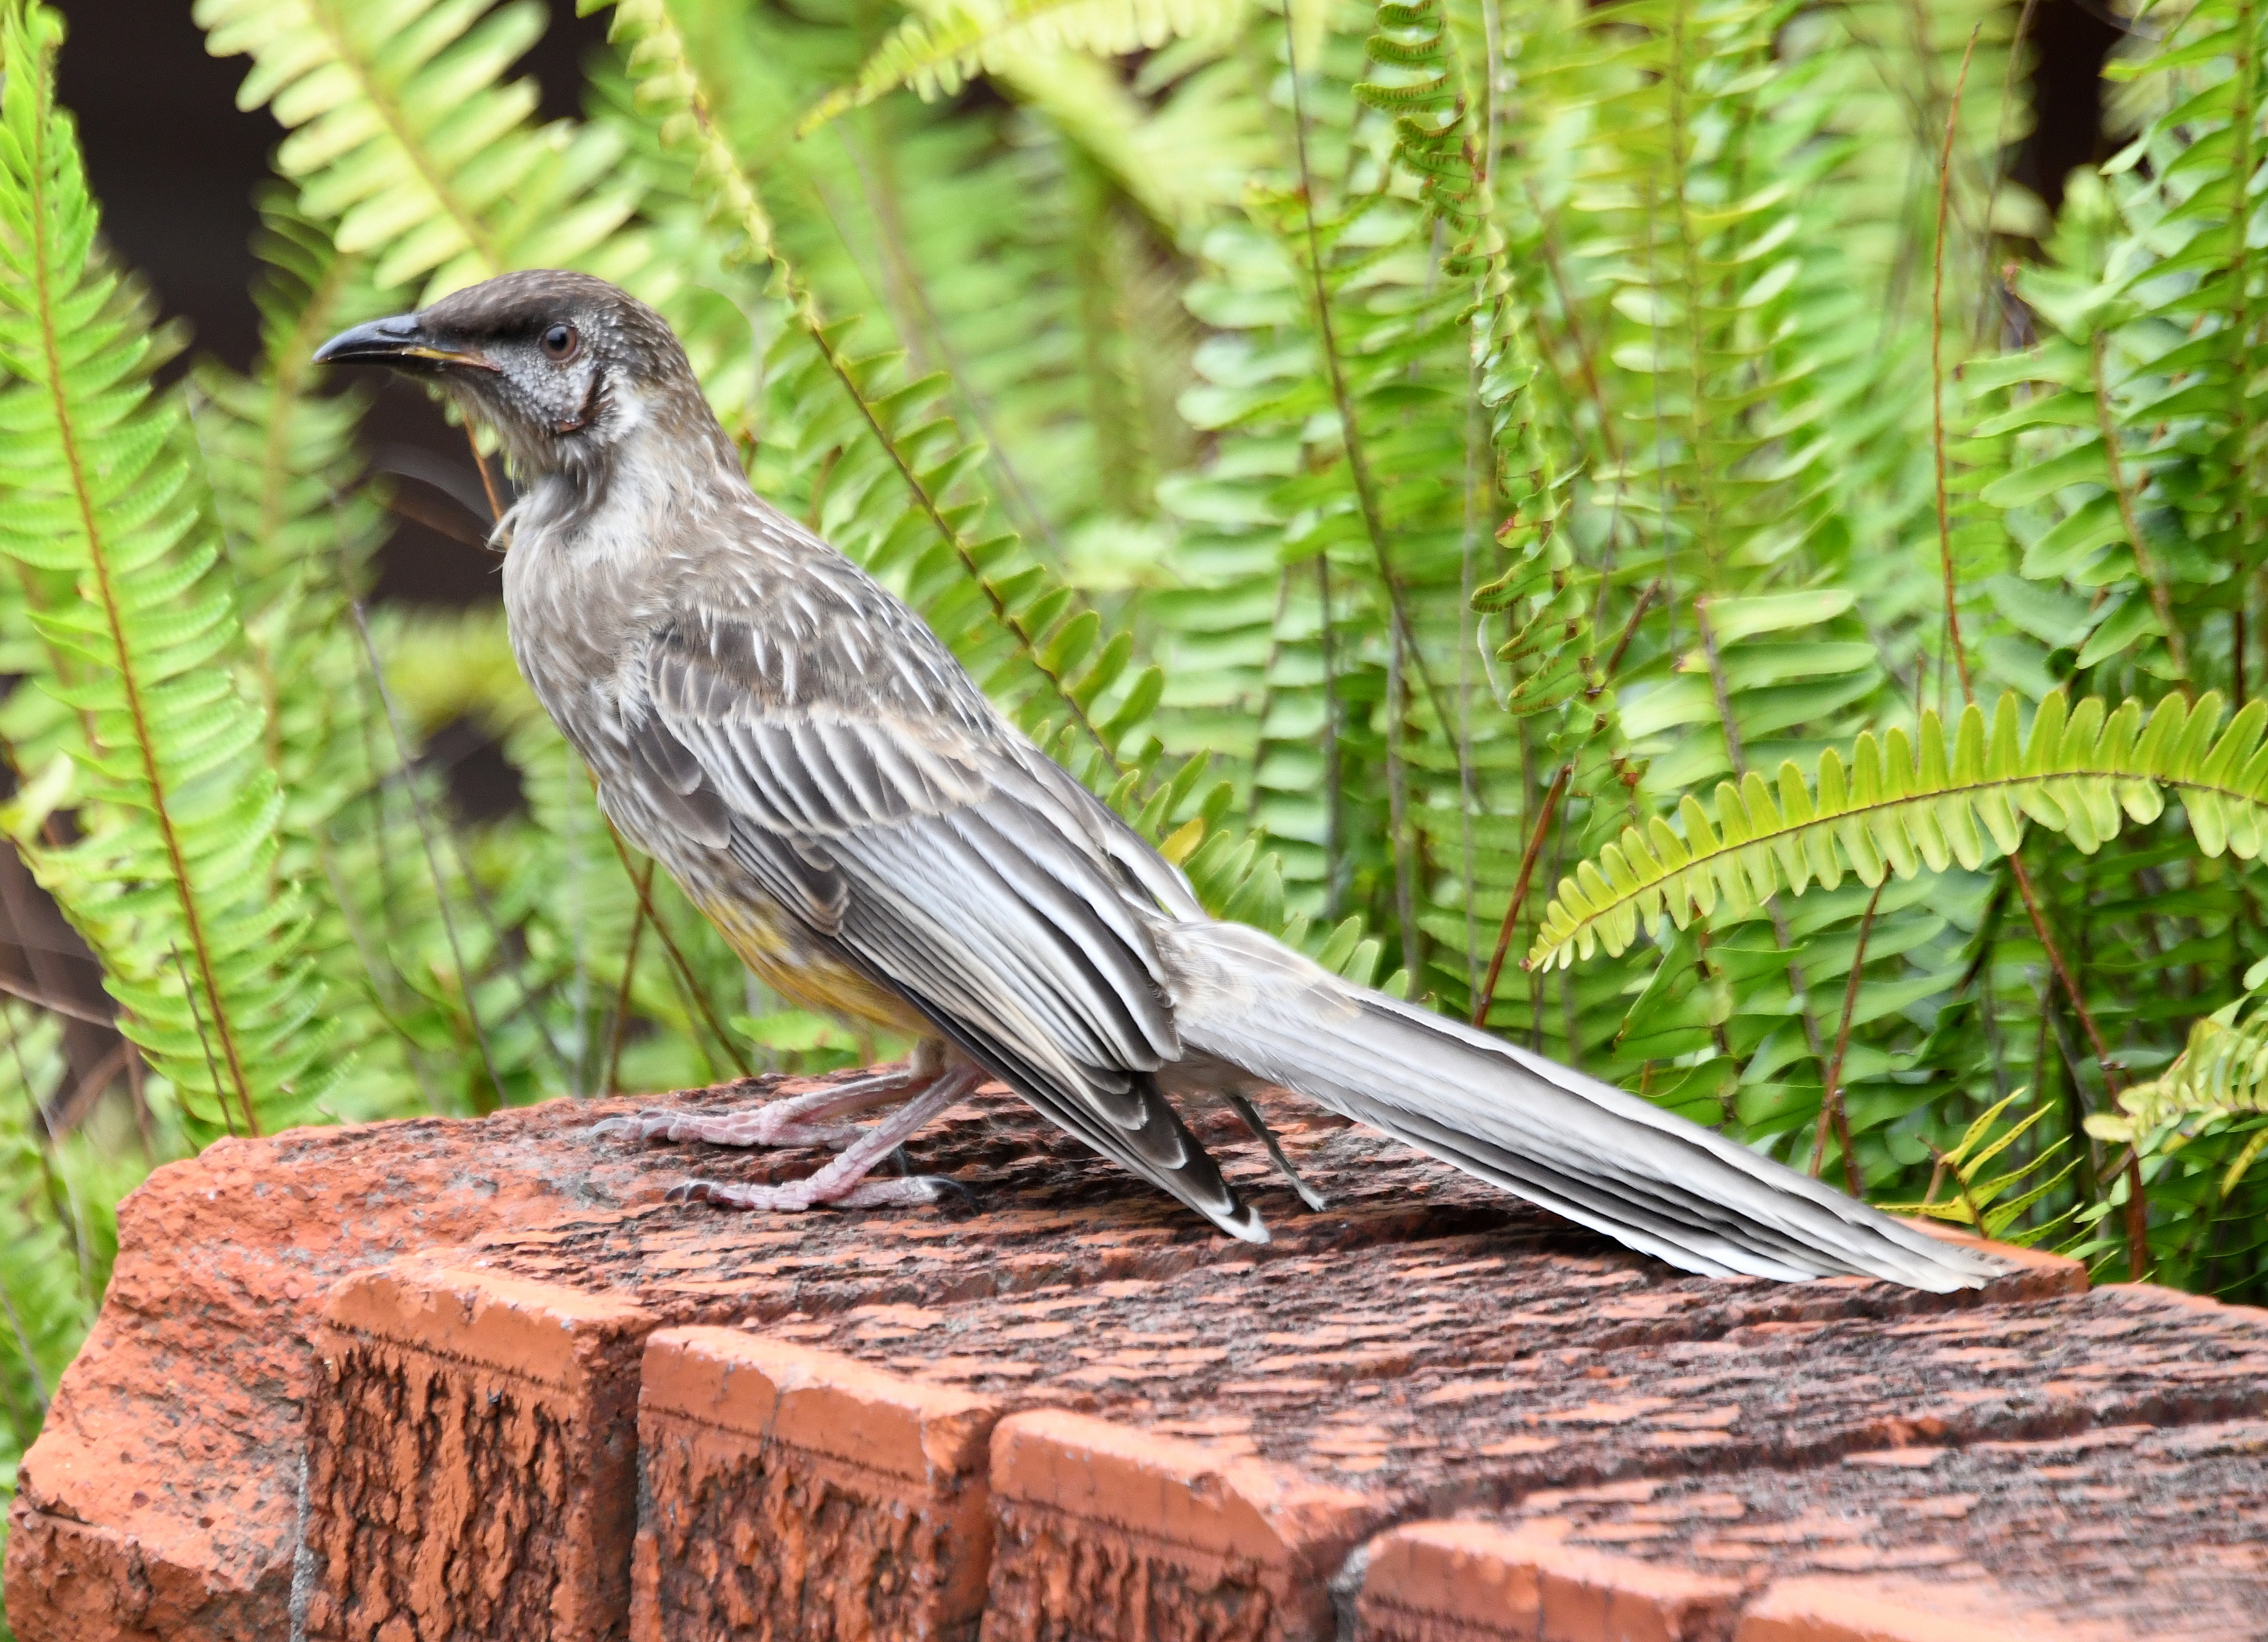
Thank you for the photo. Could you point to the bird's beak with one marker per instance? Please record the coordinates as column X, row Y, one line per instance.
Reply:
column 400, row 341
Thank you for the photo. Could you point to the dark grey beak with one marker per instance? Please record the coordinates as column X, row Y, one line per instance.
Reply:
column 402, row 342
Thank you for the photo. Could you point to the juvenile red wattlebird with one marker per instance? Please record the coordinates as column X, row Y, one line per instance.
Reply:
column 875, row 841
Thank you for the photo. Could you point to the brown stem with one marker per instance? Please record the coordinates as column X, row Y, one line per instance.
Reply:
column 2144, row 564
column 2062, row 973
column 2137, row 1207
column 1937, row 375
column 2236, row 651
column 622, row 993
column 1551, row 799
column 1367, row 502
column 1830, row 1106
column 2138, row 1221
column 488, row 479
column 1535, row 836
column 700, row 999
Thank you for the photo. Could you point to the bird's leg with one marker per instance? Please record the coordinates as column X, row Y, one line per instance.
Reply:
column 1242, row 1106
column 843, row 1182
column 800, row 1120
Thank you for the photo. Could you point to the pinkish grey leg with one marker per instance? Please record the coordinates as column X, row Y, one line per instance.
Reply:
column 843, row 1182
column 800, row 1120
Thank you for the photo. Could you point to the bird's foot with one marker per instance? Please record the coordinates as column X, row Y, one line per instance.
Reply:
column 765, row 1125
column 843, row 1182
column 794, row 1197
column 800, row 1120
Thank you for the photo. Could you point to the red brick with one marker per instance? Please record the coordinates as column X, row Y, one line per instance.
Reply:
column 2146, row 1532
column 1827, row 1609
column 1107, row 1531
column 2160, row 1293
column 1477, row 1582
column 2039, row 1274
column 1424, row 1345
column 472, row 1448
column 796, row 1493
column 161, row 1498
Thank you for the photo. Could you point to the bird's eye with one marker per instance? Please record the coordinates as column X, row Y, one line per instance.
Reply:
column 560, row 343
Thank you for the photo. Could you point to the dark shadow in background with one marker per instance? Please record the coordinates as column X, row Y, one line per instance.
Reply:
column 175, row 166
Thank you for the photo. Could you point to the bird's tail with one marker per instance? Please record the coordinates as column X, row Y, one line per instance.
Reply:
column 1568, row 1143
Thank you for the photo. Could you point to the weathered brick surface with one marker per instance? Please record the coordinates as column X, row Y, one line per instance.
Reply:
column 1481, row 1582
column 161, row 1496
column 1189, row 1437
column 794, row 1493
column 1836, row 1607
column 2129, row 1530
column 1107, row 1530
column 1469, row 1370
column 472, row 1453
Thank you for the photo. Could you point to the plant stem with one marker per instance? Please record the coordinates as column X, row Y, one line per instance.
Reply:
column 2138, row 1208
column 2241, row 118
column 1365, row 490
column 488, row 479
column 1397, row 814
column 1937, row 375
column 1831, row 1103
column 432, row 856
column 700, row 1000
column 2063, row 973
column 630, row 969
column 1557, row 790
column 1551, row 800
column 1334, row 758
column 2146, row 565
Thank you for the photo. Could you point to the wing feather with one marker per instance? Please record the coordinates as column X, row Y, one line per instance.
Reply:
column 937, row 851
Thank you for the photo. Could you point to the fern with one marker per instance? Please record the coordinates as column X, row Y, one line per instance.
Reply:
column 1979, row 1201
column 1911, row 803
column 1039, row 628
column 2222, row 1072
column 1388, row 451
column 937, row 53
column 178, row 814
column 405, row 136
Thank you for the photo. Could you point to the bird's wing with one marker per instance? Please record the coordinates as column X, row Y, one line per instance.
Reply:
column 848, row 765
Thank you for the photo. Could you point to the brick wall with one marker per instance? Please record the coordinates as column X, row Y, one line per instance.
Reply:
column 436, row 1380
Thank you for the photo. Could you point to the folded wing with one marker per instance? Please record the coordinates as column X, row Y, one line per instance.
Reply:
column 932, row 848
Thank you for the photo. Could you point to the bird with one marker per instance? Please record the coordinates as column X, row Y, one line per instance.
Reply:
column 875, row 841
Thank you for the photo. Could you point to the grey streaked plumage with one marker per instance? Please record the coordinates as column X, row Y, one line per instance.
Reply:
column 830, row 787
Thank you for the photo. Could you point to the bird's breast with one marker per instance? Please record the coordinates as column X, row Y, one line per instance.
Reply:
column 783, row 955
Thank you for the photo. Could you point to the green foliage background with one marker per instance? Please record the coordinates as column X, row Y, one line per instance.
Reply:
column 1555, row 509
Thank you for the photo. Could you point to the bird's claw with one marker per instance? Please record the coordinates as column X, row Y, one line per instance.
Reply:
column 944, row 1186
column 909, row 1191
column 752, row 1128
column 649, row 1124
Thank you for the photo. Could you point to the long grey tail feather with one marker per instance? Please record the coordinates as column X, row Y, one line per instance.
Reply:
column 1574, row 1145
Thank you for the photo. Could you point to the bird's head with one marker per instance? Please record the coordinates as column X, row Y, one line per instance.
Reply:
column 563, row 366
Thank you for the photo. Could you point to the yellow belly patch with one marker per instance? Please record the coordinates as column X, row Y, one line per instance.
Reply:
column 803, row 974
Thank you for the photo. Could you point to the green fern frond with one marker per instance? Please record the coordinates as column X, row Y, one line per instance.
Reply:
column 1981, row 1202
column 2221, row 1073
column 105, row 508
column 937, row 53
column 406, row 137
column 1907, row 803
column 1050, row 638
